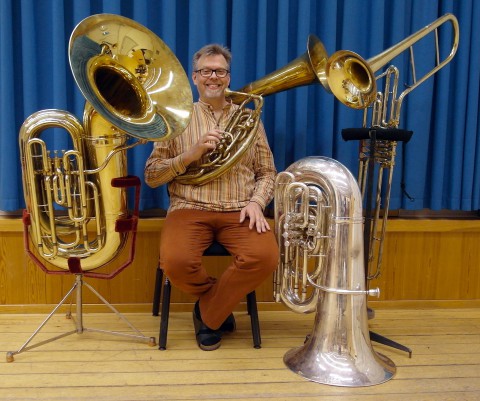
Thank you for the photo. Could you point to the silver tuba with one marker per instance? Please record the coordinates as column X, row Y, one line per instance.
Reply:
column 135, row 87
column 319, row 226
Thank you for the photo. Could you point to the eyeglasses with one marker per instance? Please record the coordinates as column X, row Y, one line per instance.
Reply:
column 207, row 72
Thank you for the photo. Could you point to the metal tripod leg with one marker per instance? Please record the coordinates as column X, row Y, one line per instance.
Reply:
column 390, row 343
column 79, row 328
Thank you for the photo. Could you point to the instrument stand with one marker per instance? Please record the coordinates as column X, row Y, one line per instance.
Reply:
column 78, row 320
column 127, row 224
column 372, row 134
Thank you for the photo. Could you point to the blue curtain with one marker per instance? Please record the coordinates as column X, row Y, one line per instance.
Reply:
column 440, row 165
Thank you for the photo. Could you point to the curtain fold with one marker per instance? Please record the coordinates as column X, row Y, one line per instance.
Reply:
column 440, row 166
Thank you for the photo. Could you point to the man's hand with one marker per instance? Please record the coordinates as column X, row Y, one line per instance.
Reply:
column 206, row 143
column 254, row 212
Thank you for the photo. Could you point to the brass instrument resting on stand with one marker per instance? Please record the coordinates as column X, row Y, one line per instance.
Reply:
column 77, row 218
column 325, row 247
column 379, row 139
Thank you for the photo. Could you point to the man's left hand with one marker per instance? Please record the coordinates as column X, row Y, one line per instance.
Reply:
column 254, row 212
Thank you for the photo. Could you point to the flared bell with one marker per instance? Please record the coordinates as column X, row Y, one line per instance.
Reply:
column 130, row 77
column 339, row 351
column 345, row 74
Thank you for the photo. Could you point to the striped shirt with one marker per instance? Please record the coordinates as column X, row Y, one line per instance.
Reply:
column 251, row 179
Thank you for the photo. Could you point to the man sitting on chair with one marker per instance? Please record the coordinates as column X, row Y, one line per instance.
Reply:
column 228, row 209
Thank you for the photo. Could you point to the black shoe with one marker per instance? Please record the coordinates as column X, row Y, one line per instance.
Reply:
column 207, row 339
column 229, row 325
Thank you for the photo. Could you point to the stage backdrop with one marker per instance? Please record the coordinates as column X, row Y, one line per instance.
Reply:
column 439, row 167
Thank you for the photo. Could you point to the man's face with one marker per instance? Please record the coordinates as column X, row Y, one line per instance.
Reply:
column 211, row 87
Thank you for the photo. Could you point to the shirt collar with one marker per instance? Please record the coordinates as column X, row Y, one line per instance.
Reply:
column 208, row 106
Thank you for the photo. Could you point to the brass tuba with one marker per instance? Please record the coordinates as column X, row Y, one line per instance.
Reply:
column 319, row 226
column 134, row 87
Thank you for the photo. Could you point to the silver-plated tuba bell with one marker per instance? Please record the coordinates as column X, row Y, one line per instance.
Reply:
column 319, row 225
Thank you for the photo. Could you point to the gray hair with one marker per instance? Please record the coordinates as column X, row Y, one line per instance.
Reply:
column 212, row 50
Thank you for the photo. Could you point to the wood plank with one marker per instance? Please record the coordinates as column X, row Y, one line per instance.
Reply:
column 445, row 364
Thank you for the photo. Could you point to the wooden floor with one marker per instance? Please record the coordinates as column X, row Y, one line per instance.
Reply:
column 445, row 364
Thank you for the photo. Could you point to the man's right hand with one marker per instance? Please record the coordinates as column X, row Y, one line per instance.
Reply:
column 206, row 143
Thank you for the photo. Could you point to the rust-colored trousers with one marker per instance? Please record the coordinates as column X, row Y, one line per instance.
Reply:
column 185, row 236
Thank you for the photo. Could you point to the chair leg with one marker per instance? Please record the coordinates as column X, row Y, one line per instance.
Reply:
column 165, row 314
column 158, row 291
column 165, row 304
column 253, row 312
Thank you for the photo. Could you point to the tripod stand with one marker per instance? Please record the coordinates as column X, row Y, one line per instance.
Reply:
column 77, row 290
column 378, row 146
column 125, row 225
